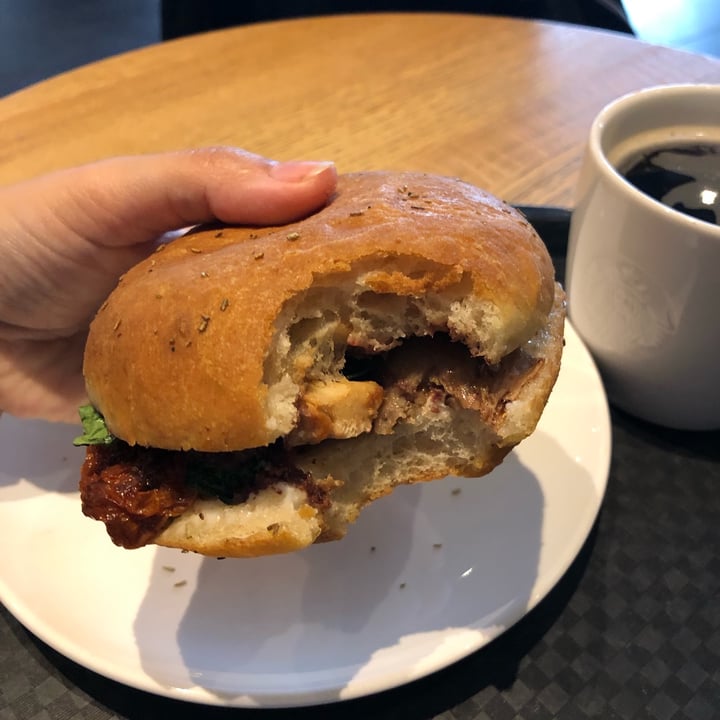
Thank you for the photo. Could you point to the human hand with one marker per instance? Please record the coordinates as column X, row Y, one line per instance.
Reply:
column 66, row 237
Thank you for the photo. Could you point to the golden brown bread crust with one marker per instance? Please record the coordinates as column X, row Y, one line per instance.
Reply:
column 178, row 357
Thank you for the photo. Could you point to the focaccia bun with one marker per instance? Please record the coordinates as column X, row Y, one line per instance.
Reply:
column 231, row 338
column 409, row 330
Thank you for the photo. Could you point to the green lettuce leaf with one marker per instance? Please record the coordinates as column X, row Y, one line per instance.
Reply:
column 95, row 431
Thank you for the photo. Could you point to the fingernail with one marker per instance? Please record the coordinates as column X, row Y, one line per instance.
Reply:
column 299, row 171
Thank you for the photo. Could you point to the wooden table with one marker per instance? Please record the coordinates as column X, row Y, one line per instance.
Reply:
column 505, row 104
column 632, row 630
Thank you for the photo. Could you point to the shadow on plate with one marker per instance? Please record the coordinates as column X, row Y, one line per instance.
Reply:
column 493, row 666
column 418, row 568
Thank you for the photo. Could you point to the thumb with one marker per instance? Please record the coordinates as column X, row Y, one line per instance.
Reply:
column 68, row 235
column 129, row 200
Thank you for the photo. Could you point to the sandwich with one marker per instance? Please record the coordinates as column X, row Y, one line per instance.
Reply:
column 252, row 389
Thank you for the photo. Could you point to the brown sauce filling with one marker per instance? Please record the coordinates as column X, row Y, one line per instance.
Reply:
column 138, row 491
column 437, row 371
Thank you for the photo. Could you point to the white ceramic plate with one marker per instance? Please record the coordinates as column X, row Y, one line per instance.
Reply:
column 425, row 577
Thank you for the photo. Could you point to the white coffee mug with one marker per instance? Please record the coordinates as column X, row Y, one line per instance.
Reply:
column 643, row 279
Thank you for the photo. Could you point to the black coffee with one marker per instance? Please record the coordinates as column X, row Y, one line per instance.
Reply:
column 683, row 177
